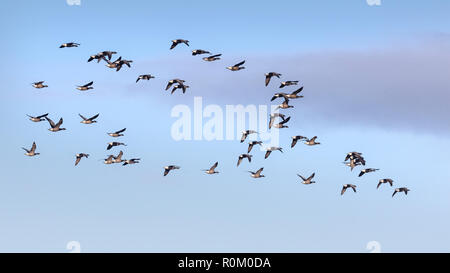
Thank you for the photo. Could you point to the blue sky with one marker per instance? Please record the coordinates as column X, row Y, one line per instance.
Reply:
column 376, row 81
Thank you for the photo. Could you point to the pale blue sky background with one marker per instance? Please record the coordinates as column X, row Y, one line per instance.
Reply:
column 376, row 81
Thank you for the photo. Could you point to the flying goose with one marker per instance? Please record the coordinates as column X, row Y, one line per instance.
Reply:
column 171, row 82
column 257, row 174
column 118, row 158
column 109, row 160
column 38, row 118
column 167, row 169
column 178, row 41
column 199, row 52
column 288, row 83
column 131, row 161
column 71, row 44
column 242, row 156
column 294, row 95
column 114, row 144
column 85, row 87
column 308, row 180
column 55, row 127
column 101, row 56
column 236, row 67
column 79, row 157
column 270, row 75
column 212, row 169
column 352, row 164
column 369, row 170
column 346, row 186
column 145, row 77
column 32, row 151
column 279, row 95
column 385, row 180
column 312, row 141
column 212, row 58
column 284, row 105
column 179, row 86
column 281, row 124
column 351, row 155
column 113, row 64
column 118, row 133
column 273, row 116
column 403, row 189
column 295, row 139
column 123, row 62
column 39, row 85
column 252, row 143
column 271, row 149
column 246, row 133
column 88, row 120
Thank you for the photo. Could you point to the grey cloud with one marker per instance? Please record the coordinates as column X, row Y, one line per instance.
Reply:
column 400, row 87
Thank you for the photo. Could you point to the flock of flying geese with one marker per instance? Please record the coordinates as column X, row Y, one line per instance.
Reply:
column 352, row 159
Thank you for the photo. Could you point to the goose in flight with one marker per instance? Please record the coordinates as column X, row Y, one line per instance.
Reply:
column 71, row 44
column 131, row 161
column 385, row 180
column 173, row 81
column 352, row 155
column 145, row 77
column 295, row 139
column 242, row 156
column 113, row 64
column 167, row 169
column 97, row 57
column 79, row 156
column 236, row 67
column 284, row 105
column 356, row 157
column 212, row 58
column 308, row 180
column 85, row 87
column 39, row 85
column 270, row 75
column 281, row 124
column 253, row 143
column 88, row 120
column 312, row 141
column 346, row 186
column 369, row 170
column 246, row 133
column 117, row 133
column 101, row 56
column 118, row 158
column 179, row 86
column 32, row 151
column 288, row 83
column 270, row 150
column 114, row 144
column 352, row 164
column 123, row 62
column 55, row 127
column 402, row 189
column 294, row 95
column 212, row 169
column 257, row 174
column 279, row 95
column 178, row 41
column 273, row 116
column 109, row 160
column 38, row 118
column 199, row 52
